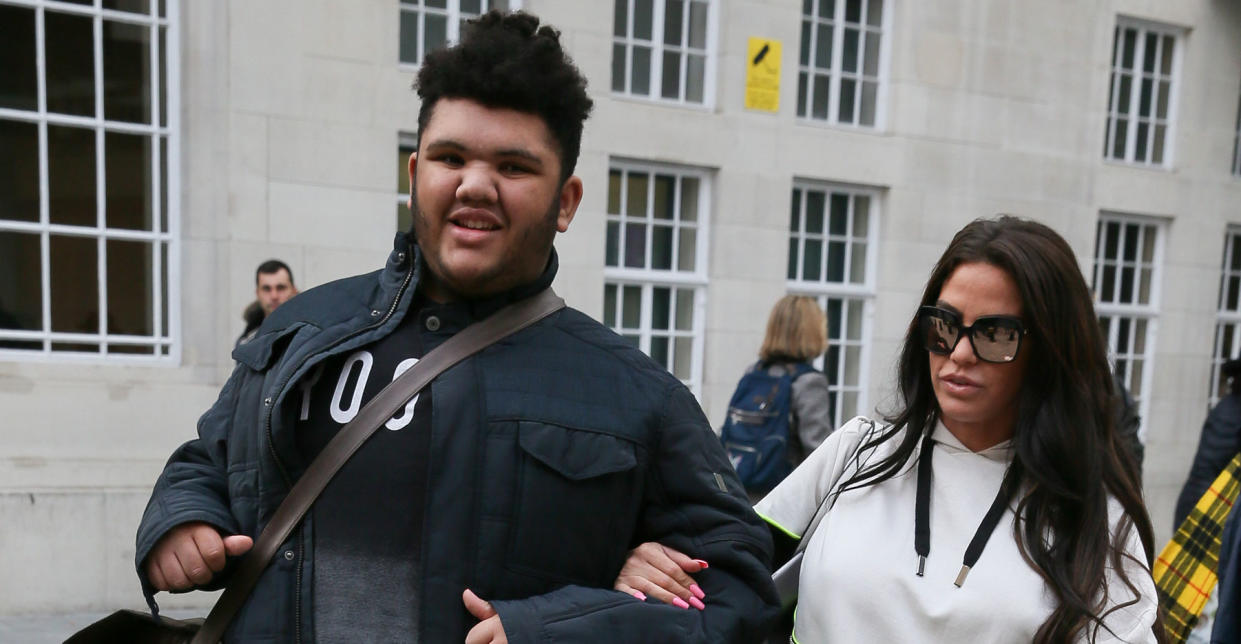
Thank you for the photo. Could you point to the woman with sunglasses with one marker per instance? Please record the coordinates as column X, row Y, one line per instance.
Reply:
column 998, row 503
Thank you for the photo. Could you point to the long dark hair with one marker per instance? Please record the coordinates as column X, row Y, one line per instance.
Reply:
column 1068, row 458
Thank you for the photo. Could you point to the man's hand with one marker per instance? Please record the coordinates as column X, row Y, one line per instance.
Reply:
column 190, row 555
column 488, row 630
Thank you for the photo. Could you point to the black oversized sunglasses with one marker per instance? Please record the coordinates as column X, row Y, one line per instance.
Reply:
column 995, row 338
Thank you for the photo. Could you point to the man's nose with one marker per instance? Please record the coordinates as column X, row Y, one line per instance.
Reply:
column 477, row 185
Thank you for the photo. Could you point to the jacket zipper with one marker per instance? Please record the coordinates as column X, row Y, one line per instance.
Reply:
column 271, row 445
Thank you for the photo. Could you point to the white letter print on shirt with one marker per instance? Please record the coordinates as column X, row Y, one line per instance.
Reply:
column 401, row 420
column 340, row 414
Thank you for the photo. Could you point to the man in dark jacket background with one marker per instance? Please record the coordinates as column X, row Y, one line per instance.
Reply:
column 503, row 500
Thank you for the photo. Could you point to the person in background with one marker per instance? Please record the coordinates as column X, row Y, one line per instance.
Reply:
column 273, row 286
column 1219, row 442
column 1032, row 527
column 781, row 394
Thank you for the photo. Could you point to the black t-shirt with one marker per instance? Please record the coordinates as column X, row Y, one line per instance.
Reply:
column 367, row 525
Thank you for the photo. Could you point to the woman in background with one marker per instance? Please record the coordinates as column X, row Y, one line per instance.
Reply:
column 997, row 504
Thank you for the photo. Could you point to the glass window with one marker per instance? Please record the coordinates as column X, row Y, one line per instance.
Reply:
column 85, row 218
column 426, row 25
column 832, row 245
column 660, row 49
column 654, row 259
column 1236, row 145
column 407, row 144
column 838, row 72
column 1228, row 319
column 1126, row 277
column 1140, row 96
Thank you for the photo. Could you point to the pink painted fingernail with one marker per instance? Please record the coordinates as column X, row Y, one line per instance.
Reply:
column 693, row 588
column 696, row 603
column 702, row 563
column 680, row 603
column 639, row 594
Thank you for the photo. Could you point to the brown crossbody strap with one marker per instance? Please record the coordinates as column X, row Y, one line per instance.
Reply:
column 383, row 406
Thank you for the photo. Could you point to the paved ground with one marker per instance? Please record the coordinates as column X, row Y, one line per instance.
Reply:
column 53, row 629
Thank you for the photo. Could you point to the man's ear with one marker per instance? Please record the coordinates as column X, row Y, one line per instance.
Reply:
column 413, row 164
column 570, row 198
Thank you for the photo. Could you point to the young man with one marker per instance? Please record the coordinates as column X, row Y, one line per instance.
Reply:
column 273, row 286
column 503, row 501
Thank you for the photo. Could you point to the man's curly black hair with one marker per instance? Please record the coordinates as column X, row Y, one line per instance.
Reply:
column 506, row 60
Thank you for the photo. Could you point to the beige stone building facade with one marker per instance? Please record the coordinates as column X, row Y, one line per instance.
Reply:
column 155, row 151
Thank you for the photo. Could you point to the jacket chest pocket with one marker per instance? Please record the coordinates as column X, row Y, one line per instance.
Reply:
column 576, row 504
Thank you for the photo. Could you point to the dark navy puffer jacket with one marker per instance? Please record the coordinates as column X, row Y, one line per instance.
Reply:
column 554, row 452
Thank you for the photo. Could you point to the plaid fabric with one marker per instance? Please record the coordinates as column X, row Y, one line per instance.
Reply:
column 1185, row 572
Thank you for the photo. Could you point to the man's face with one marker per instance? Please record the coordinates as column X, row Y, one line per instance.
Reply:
column 487, row 198
column 274, row 289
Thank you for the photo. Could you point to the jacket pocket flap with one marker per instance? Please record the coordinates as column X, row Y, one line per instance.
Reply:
column 576, row 454
column 258, row 352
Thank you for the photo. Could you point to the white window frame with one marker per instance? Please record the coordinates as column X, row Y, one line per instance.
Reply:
column 1227, row 318
column 1132, row 112
column 657, row 47
column 649, row 278
column 165, row 342
column 452, row 31
column 1114, row 311
column 850, row 293
column 835, row 71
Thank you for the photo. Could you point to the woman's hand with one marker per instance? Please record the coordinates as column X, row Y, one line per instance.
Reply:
column 663, row 573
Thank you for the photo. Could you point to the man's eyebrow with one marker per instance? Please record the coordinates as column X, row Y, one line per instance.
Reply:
column 457, row 146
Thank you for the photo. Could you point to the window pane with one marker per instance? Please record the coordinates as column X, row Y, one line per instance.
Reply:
column 853, row 360
column 126, row 72
column 409, row 37
column 853, row 10
column 839, row 221
column 849, row 51
column 404, row 219
column 661, row 247
column 132, row 6
column 670, row 83
column 614, row 192
column 813, row 261
column 846, row 100
column 867, row 114
column 18, row 83
column 695, row 75
column 689, row 199
column 75, row 284
column 802, row 79
column 620, row 18
column 21, row 293
column 163, row 76
column 682, row 359
column 435, row 31
column 1144, row 100
column 631, row 307
column 643, row 15
column 804, row 58
column 836, row 262
column 870, row 64
column 1127, row 52
column 1118, row 145
column 618, row 67
column 1169, row 45
column 793, row 260
column 874, row 13
column 823, row 47
column 665, row 196
column 636, row 194
column 473, row 7
column 685, row 309
column 661, row 308
column 163, row 184
column 818, row 108
column 698, row 25
column 795, row 209
column 1148, row 54
column 1139, row 152
column 673, row 15
column 687, row 249
column 659, row 350
column 19, row 171
column 827, row 8
column 613, row 244
column 861, row 216
column 814, row 211
column 71, row 175
column 1157, row 144
column 1161, row 109
column 857, row 263
column 127, row 164
column 833, row 321
column 635, row 245
column 70, row 64
column 854, row 330
column 129, row 288
column 641, row 76
column 609, row 305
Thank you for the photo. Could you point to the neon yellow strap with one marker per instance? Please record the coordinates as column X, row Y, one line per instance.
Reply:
column 777, row 525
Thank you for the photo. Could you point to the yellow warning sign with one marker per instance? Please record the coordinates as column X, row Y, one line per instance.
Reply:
column 762, row 75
